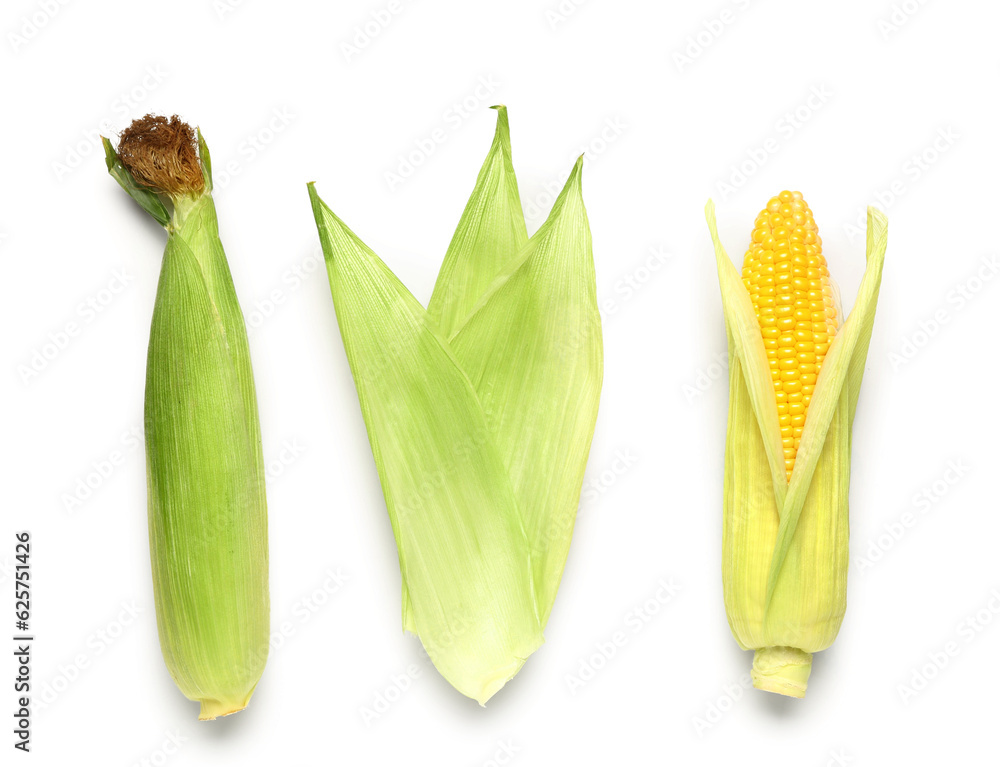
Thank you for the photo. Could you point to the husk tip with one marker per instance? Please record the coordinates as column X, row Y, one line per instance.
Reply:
column 576, row 175
column 110, row 155
column 314, row 198
column 878, row 216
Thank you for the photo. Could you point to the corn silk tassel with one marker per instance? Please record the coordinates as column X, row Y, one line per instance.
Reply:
column 480, row 412
column 204, row 465
column 794, row 379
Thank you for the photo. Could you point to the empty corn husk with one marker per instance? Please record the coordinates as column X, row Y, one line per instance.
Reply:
column 480, row 413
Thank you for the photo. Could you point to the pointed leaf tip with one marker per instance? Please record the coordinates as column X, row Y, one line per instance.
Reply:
column 110, row 155
column 205, row 158
column 501, row 136
column 315, row 201
column 489, row 235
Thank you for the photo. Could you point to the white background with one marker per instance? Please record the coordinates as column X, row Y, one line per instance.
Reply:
column 661, row 137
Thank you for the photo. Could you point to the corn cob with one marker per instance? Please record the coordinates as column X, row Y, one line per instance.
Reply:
column 792, row 296
column 204, row 466
column 795, row 377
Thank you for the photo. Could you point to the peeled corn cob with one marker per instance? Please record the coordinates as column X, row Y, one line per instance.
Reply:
column 204, row 465
column 794, row 379
column 790, row 289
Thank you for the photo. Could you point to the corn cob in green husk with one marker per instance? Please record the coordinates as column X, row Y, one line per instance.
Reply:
column 204, row 465
column 794, row 377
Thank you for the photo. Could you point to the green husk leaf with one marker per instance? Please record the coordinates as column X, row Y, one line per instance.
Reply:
column 749, row 504
column 533, row 351
column 206, row 161
column 490, row 234
column 743, row 331
column 875, row 245
column 148, row 200
column 463, row 554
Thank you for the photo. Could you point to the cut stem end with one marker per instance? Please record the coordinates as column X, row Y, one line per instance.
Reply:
column 212, row 709
column 783, row 670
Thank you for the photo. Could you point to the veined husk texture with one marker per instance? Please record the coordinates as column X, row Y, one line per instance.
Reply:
column 204, row 464
column 480, row 412
column 785, row 542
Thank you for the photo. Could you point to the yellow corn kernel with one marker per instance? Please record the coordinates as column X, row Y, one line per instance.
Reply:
column 799, row 315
